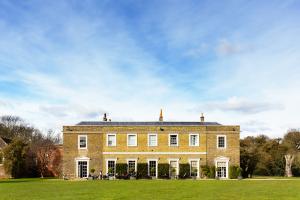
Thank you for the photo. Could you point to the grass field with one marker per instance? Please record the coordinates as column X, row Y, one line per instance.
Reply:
column 149, row 189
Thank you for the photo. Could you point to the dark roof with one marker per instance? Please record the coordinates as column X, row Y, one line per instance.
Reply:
column 102, row 123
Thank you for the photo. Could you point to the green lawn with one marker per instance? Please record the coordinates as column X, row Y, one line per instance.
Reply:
column 149, row 189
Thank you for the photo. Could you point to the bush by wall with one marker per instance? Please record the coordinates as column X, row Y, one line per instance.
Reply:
column 121, row 169
column 234, row 171
column 142, row 170
column 184, row 170
column 163, row 170
column 208, row 171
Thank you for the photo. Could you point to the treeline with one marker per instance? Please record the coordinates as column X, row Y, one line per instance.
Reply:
column 29, row 152
column 265, row 156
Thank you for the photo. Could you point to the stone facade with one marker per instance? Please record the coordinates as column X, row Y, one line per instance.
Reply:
column 97, row 152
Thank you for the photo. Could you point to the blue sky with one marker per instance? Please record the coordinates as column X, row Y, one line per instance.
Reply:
column 62, row 62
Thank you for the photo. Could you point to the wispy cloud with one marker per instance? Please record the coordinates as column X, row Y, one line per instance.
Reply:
column 64, row 62
column 243, row 106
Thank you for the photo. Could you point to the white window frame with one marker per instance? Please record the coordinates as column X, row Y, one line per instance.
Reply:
column 135, row 167
column 86, row 141
column 225, row 141
column 111, row 159
column 198, row 140
column 148, row 161
column 111, row 134
column 198, row 168
column 222, row 159
column 152, row 134
column 88, row 165
column 177, row 168
column 136, row 143
column 170, row 140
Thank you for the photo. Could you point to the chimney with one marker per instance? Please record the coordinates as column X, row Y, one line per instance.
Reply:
column 202, row 118
column 161, row 118
column 104, row 117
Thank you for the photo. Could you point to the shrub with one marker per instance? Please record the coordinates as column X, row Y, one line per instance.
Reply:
column 212, row 172
column 142, row 170
column 184, row 170
column 204, row 171
column 233, row 172
column 163, row 170
column 121, row 169
column 208, row 171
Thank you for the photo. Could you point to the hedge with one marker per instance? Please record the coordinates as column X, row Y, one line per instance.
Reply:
column 234, row 172
column 184, row 170
column 163, row 170
column 121, row 169
column 142, row 170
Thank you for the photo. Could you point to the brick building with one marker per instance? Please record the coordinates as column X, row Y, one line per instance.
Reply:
column 100, row 145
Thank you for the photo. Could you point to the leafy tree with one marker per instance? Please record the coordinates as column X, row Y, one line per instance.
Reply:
column 291, row 143
column 248, row 156
column 14, row 162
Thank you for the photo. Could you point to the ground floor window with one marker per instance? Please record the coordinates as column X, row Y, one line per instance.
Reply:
column 194, row 167
column 173, row 168
column 131, row 166
column 221, row 169
column 82, row 169
column 152, row 168
column 111, row 167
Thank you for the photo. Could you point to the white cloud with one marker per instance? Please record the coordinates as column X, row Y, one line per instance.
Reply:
column 244, row 106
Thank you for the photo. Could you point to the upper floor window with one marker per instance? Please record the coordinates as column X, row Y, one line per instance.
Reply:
column 82, row 141
column 194, row 139
column 221, row 141
column 173, row 139
column 111, row 140
column 131, row 140
column 152, row 140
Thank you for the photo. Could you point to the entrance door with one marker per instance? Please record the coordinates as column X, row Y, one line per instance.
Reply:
column 82, row 169
column 221, row 169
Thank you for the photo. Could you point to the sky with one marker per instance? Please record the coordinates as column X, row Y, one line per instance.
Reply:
column 238, row 62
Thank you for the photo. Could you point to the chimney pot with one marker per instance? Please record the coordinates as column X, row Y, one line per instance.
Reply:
column 202, row 117
column 104, row 117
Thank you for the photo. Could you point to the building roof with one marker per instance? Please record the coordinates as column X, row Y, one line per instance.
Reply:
column 108, row 123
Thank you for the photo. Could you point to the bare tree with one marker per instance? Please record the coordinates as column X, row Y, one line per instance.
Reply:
column 45, row 152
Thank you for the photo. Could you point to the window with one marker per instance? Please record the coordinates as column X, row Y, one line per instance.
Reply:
column 111, row 167
column 131, row 166
column 221, row 169
column 82, row 141
column 173, row 140
column 173, row 168
column 131, row 140
column 152, row 168
column 152, row 140
column 111, row 140
column 194, row 139
column 194, row 164
column 82, row 169
column 221, row 141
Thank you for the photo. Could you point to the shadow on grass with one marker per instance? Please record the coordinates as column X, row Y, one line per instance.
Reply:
column 23, row 180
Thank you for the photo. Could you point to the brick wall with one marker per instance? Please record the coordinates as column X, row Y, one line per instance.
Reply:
column 97, row 144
